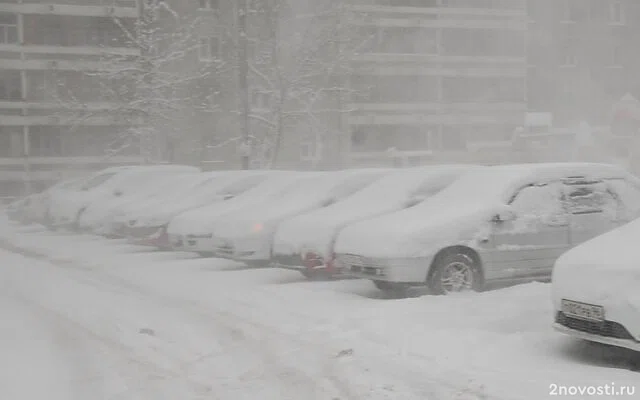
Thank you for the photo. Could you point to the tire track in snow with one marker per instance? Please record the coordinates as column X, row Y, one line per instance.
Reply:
column 409, row 375
column 216, row 320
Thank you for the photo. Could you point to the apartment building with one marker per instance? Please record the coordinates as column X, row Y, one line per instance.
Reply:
column 583, row 57
column 54, row 119
column 435, row 77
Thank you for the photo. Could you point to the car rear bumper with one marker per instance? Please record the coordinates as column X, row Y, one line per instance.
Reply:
column 192, row 242
column 149, row 236
column 243, row 249
column 398, row 270
column 297, row 262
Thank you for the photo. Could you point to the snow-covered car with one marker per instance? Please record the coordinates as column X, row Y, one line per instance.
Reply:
column 192, row 230
column 305, row 243
column 15, row 210
column 37, row 206
column 112, row 182
column 596, row 288
column 97, row 214
column 247, row 234
column 496, row 224
column 150, row 227
column 120, row 217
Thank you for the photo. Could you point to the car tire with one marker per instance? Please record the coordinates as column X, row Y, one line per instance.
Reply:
column 464, row 267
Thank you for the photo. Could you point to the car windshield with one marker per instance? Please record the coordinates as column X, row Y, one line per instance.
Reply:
column 97, row 181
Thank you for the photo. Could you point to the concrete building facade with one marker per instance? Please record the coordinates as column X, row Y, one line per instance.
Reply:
column 53, row 121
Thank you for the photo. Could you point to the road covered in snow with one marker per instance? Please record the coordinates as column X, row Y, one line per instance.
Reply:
column 85, row 317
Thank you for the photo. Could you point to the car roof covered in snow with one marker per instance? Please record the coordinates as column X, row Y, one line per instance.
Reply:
column 499, row 182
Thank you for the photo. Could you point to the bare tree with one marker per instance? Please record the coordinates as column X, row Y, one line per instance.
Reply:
column 299, row 61
column 153, row 94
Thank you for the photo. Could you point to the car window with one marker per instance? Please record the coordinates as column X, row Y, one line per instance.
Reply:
column 537, row 201
column 98, row 180
column 590, row 198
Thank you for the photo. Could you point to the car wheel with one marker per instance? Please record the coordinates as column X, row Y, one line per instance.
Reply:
column 453, row 273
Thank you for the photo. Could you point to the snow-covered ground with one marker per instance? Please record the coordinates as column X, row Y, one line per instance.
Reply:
column 88, row 318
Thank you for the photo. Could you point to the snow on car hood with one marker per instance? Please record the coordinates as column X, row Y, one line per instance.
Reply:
column 201, row 220
column 297, row 199
column 604, row 270
column 260, row 217
column 315, row 231
column 164, row 214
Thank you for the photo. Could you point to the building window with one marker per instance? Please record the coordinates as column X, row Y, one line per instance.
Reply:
column 310, row 150
column 616, row 57
column 616, row 12
column 11, row 142
column 209, row 48
column 571, row 11
column 10, row 85
column 569, row 58
column 208, row 4
column 8, row 28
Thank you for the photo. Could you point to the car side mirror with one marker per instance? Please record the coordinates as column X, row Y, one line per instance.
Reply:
column 503, row 216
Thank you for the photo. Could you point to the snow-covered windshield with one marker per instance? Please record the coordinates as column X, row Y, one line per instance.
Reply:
column 97, row 181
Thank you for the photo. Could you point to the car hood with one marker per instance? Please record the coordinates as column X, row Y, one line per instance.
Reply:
column 244, row 221
column 417, row 232
column 167, row 211
column 201, row 220
column 317, row 230
column 603, row 271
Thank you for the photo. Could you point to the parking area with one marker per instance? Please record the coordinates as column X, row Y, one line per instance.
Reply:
column 208, row 325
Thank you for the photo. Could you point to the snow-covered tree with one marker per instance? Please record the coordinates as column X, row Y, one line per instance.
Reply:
column 299, row 60
column 155, row 93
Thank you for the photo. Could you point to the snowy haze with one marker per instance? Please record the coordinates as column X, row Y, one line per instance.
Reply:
column 134, row 286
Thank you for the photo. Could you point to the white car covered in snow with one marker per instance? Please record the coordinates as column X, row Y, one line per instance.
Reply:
column 35, row 208
column 305, row 243
column 193, row 230
column 505, row 223
column 97, row 215
column 113, row 182
column 596, row 288
column 150, row 226
column 247, row 234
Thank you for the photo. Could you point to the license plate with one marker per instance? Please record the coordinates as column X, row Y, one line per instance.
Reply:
column 584, row 311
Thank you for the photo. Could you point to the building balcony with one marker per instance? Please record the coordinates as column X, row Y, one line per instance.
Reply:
column 517, row 107
column 450, row 12
column 62, row 65
column 88, row 8
column 462, row 118
column 434, row 59
column 417, row 70
column 69, row 50
column 97, row 120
